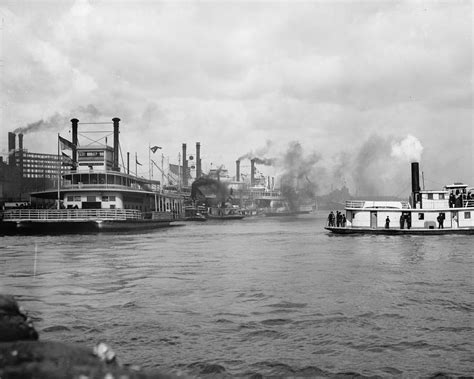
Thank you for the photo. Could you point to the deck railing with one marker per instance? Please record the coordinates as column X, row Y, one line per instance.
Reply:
column 72, row 214
column 375, row 204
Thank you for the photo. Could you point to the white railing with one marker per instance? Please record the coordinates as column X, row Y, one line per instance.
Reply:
column 72, row 214
column 355, row 203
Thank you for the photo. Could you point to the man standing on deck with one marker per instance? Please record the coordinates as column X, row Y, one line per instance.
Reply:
column 387, row 223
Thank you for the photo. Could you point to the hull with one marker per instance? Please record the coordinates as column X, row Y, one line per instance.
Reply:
column 225, row 217
column 381, row 231
column 72, row 227
column 285, row 214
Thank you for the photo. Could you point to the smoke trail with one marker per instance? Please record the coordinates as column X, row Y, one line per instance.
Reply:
column 257, row 153
column 378, row 166
column 59, row 121
column 299, row 177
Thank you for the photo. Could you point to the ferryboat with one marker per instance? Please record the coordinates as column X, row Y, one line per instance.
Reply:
column 95, row 194
column 429, row 212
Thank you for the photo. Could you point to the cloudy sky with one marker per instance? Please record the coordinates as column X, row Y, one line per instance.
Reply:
column 361, row 88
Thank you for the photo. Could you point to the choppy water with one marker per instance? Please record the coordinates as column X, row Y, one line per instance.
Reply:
column 262, row 296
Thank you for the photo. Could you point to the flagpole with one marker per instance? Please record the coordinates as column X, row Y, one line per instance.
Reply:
column 136, row 165
column 59, row 174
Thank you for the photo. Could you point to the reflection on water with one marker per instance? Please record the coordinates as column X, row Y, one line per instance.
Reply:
column 269, row 296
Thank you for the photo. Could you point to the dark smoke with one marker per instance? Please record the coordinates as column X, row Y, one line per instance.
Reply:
column 206, row 186
column 59, row 121
column 295, row 182
column 265, row 161
column 257, row 153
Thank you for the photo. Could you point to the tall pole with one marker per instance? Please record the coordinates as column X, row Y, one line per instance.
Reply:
column 150, row 168
column 59, row 174
column 136, row 165
column 162, row 170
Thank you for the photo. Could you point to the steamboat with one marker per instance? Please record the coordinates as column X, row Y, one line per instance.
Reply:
column 429, row 212
column 95, row 194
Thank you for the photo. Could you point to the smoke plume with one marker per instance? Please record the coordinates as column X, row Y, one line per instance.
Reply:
column 59, row 121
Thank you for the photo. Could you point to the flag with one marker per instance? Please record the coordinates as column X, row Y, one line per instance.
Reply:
column 65, row 144
column 154, row 148
column 67, row 160
column 138, row 163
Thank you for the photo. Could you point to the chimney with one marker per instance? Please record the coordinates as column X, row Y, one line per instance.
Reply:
column 198, row 160
column 128, row 163
column 252, row 172
column 20, row 141
column 237, row 171
column 74, row 123
column 415, row 184
column 185, row 167
column 115, row 165
column 11, row 148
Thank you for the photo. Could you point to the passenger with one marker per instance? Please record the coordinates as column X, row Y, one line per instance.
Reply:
column 452, row 200
column 338, row 219
column 344, row 220
column 331, row 219
column 408, row 220
column 402, row 221
column 440, row 220
column 387, row 223
column 458, row 202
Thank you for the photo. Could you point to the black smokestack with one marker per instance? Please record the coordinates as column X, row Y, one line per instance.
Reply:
column 20, row 141
column 415, row 184
column 11, row 148
column 252, row 172
column 128, row 163
column 115, row 166
column 237, row 171
column 74, row 123
column 415, row 177
column 198, row 160
column 185, row 166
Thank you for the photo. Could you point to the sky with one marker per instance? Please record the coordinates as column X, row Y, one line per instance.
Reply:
column 351, row 90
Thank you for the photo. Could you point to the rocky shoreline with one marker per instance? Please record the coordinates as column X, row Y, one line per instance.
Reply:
column 23, row 355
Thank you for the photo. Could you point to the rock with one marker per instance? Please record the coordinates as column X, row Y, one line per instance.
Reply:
column 14, row 325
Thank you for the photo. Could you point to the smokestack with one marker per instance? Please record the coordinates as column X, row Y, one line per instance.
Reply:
column 74, row 123
column 115, row 165
column 128, row 163
column 185, row 167
column 11, row 148
column 252, row 172
column 20, row 141
column 415, row 184
column 237, row 171
column 198, row 160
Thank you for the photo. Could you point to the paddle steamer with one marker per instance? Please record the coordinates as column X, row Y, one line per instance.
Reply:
column 94, row 194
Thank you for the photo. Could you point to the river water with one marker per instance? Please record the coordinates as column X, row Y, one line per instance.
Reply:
column 268, row 296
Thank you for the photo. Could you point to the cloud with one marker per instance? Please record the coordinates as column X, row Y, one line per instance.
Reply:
column 233, row 75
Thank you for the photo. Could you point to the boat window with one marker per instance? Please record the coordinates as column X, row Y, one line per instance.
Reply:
column 467, row 215
column 421, row 216
column 430, row 196
column 105, row 198
column 77, row 198
column 112, row 206
column 442, row 196
column 70, row 198
column 90, row 198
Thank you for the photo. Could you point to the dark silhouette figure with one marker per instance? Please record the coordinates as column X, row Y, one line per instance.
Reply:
column 402, row 221
column 387, row 223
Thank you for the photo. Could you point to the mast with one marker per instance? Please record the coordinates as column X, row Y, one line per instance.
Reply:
column 59, row 173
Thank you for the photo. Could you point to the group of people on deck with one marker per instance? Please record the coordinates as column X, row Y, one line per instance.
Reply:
column 456, row 198
column 338, row 220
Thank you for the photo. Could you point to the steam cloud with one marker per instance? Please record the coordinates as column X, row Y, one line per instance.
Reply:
column 409, row 149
